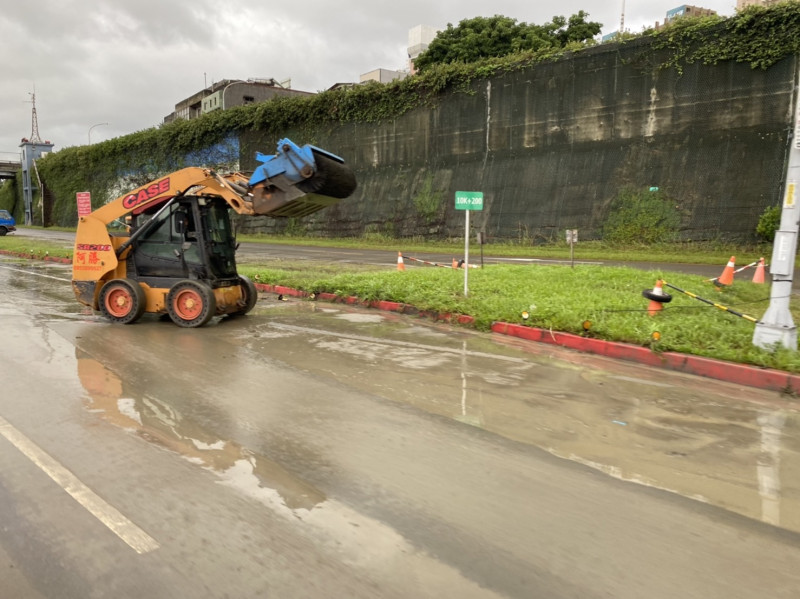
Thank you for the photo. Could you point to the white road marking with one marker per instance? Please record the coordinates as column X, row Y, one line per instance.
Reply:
column 135, row 537
column 433, row 348
column 642, row 381
column 36, row 274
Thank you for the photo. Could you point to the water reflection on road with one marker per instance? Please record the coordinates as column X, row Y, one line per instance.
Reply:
column 729, row 446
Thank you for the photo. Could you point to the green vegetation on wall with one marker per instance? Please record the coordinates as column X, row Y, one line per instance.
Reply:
column 641, row 216
column 428, row 202
column 757, row 36
column 8, row 197
column 768, row 223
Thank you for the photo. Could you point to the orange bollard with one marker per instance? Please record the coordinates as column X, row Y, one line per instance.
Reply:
column 400, row 264
column 758, row 276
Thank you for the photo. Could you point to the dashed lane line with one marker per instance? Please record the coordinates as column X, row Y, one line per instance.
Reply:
column 135, row 537
column 36, row 274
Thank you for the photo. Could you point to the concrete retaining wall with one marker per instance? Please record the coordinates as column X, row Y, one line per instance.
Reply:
column 552, row 145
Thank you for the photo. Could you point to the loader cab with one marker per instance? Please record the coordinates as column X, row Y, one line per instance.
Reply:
column 191, row 239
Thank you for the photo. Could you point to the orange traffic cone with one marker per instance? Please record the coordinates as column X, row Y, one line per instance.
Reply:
column 726, row 278
column 657, row 298
column 400, row 264
column 758, row 276
column 455, row 263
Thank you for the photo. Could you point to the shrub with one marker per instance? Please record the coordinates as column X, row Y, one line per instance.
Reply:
column 641, row 216
column 768, row 223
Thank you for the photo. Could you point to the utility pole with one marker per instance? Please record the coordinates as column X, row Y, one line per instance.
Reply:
column 777, row 326
column 622, row 20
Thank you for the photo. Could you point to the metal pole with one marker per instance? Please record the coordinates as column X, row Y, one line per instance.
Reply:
column 90, row 131
column 777, row 325
column 224, row 89
column 466, row 253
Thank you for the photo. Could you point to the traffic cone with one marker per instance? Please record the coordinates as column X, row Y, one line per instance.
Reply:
column 726, row 278
column 400, row 264
column 455, row 264
column 758, row 276
column 657, row 298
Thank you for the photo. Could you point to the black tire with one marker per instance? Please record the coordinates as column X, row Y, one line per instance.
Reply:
column 250, row 294
column 191, row 304
column 122, row 301
column 663, row 297
column 3, row 231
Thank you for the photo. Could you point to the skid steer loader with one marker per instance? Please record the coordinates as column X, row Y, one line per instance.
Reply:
column 176, row 254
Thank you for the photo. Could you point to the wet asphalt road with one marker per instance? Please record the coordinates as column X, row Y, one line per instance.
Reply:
column 316, row 450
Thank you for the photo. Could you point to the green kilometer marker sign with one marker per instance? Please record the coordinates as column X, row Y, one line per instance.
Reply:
column 469, row 200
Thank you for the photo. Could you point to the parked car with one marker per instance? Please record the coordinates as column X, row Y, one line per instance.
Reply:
column 7, row 222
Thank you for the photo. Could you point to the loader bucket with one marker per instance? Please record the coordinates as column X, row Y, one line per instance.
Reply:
column 332, row 179
column 298, row 181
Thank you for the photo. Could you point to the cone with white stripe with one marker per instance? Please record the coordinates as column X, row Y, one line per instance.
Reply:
column 726, row 278
column 400, row 264
column 657, row 298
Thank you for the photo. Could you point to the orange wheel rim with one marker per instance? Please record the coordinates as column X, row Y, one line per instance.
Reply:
column 119, row 302
column 188, row 304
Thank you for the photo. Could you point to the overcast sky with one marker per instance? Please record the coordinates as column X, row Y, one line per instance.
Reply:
column 128, row 62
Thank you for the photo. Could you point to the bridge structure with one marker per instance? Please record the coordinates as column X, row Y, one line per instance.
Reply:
column 10, row 164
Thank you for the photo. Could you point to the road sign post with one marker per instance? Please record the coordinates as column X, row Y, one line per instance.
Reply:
column 466, row 201
column 572, row 239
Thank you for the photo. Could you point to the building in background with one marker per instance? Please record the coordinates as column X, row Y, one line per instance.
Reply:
column 383, row 76
column 684, row 10
column 419, row 38
column 228, row 93
column 687, row 11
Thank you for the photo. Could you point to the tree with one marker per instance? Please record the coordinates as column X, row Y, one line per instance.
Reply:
column 485, row 37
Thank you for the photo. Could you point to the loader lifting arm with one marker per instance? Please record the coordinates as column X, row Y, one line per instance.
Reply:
column 294, row 182
column 277, row 188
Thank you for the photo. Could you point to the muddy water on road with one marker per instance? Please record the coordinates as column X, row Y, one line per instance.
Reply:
column 729, row 446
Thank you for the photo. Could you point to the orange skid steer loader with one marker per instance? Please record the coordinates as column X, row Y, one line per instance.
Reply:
column 177, row 254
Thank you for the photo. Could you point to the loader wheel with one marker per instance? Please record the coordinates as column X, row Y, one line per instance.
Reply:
column 191, row 304
column 122, row 301
column 250, row 294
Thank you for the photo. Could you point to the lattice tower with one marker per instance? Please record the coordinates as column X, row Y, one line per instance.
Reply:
column 34, row 122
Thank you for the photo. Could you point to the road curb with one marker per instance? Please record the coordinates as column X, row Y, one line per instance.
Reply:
column 30, row 256
column 384, row 305
column 741, row 374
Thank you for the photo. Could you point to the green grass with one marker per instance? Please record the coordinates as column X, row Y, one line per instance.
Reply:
column 34, row 247
column 685, row 253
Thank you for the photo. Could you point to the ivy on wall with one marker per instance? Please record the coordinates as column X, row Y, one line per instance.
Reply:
column 758, row 36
